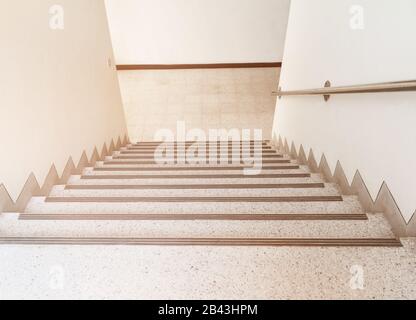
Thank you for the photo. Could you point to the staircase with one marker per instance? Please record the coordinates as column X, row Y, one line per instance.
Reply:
column 128, row 199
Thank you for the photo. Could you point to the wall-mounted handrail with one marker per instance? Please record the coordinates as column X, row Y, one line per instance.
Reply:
column 327, row 91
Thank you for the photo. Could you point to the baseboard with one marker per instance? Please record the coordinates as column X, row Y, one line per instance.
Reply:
column 32, row 188
column 384, row 203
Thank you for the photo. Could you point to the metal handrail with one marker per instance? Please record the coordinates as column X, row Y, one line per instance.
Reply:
column 327, row 91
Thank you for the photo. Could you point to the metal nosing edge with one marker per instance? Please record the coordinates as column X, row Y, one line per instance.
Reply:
column 193, row 199
column 196, row 186
column 190, row 217
column 365, row 242
column 222, row 176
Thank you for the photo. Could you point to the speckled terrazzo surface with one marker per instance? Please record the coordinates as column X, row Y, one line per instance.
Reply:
column 65, row 272
column 329, row 190
column 192, row 272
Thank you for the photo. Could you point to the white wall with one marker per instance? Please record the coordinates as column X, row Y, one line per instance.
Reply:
column 374, row 133
column 58, row 96
column 197, row 31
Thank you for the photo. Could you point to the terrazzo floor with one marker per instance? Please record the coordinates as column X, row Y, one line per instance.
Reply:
column 74, row 272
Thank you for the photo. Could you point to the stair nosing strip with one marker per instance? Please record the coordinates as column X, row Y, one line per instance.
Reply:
column 196, row 176
column 139, row 144
column 175, row 148
column 197, row 186
column 103, row 169
column 252, row 151
column 152, row 155
column 300, row 242
column 193, row 217
column 129, row 162
column 192, row 199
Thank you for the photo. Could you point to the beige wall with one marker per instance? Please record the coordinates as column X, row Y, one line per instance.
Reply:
column 374, row 133
column 58, row 96
column 204, row 99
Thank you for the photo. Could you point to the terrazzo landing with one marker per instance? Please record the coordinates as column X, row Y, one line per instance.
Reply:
column 64, row 272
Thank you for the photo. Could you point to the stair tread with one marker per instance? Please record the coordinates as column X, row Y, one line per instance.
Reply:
column 205, row 175
column 117, row 156
column 312, row 178
column 111, row 161
column 127, row 162
column 350, row 204
column 376, row 226
column 202, row 191
column 194, row 186
column 197, row 199
column 140, row 155
column 192, row 168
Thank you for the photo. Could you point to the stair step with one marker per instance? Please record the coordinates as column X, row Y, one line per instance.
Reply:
column 350, row 205
column 62, row 191
column 196, row 186
column 314, row 178
column 144, row 158
column 208, row 147
column 153, row 162
column 196, row 176
column 204, row 242
column 145, row 162
column 172, row 217
column 140, row 155
column 151, row 143
column 218, row 151
column 194, row 199
column 193, row 168
column 198, row 194
column 245, row 171
column 375, row 227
